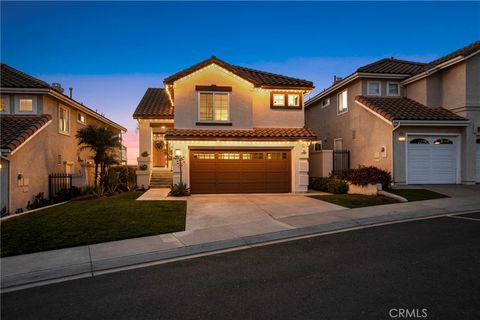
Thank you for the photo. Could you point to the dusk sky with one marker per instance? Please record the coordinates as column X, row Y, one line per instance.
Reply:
column 111, row 52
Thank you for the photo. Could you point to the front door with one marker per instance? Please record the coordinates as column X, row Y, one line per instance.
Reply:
column 159, row 150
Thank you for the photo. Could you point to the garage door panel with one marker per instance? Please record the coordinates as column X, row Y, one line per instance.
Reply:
column 253, row 166
column 432, row 161
column 233, row 171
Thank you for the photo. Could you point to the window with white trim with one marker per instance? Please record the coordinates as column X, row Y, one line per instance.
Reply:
column 25, row 105
column 63, row 119
column 214, row 106
column 342, row 102
column 393, row 89
column 374, row 88
column 81, row 118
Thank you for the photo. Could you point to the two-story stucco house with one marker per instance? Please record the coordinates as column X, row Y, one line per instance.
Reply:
column 38, row 124
column 240, row 130
column 420, row 121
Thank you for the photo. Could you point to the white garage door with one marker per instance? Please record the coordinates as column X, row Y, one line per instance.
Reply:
column 432, row 159
column 478, row 160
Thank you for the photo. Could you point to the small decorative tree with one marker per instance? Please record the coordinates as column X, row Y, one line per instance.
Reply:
column 180, row 189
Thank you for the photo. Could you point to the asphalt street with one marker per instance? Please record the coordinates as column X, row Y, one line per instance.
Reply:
column 430, row 268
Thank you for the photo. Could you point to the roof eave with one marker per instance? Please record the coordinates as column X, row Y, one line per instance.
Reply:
column 450, row 123
column 85, row 109
column 239, row 138
column 437, row 68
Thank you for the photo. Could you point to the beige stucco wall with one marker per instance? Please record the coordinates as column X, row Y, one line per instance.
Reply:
column 363, row 133
column 299, row 155
column 417, row 91
column 39, row 157
column 249, row 106
column 186, row 98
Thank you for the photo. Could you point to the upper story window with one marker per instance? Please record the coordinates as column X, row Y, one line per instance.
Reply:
column 325, row 102
column 278, row 100
column 63, row 119
column 342, row 102
column 374, row 88
column 4, row 104
column 81, row 118
column 393, row 89
column 289, row 100
column 25, row 104
column 214, row 106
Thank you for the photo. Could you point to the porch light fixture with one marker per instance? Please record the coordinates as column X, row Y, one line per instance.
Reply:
column 178, row 152
column 401, row 137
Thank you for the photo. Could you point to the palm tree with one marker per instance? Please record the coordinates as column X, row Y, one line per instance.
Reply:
column 102, row 141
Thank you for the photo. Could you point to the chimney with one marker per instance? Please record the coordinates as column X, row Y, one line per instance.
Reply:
column 337, row 79
column 71, row 92
column 57, row 87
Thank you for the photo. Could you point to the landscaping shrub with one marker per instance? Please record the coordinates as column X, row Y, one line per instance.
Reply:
column 67, row 194
column 363, row 176
column 37, row 202
column 331, row 185
column 179, row 190
column 121, row 179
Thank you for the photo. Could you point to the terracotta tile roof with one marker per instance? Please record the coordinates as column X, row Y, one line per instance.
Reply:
column 406, row 109
column 16, row 129
column 155, row 103
column 463, row 52
column 13, row 78
column 241, row 134
column 257, row 77
column 393, row 66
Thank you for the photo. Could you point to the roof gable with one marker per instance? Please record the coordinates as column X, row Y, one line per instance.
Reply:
column 393, row 66
column 256, row 77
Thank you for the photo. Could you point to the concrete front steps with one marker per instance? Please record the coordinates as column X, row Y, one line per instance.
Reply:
column 161, row 179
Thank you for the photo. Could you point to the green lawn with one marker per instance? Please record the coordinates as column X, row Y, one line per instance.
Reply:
column 417, row 194
column 91, row 221
column 355, row 200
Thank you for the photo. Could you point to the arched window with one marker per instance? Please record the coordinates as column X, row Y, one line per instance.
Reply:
column 419, row 141
column 443, row 141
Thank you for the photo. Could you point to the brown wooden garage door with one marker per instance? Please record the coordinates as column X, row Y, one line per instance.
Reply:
column 240, row 171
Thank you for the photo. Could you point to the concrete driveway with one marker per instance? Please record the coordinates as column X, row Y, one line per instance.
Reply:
column 250, row 211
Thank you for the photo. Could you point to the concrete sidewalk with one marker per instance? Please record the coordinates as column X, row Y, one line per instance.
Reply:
column 87, row 261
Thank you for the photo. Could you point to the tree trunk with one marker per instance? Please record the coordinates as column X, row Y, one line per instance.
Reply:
column 96, row 175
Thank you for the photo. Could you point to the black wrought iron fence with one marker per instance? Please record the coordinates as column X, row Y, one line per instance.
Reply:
column 341, row 160
column 58, row 182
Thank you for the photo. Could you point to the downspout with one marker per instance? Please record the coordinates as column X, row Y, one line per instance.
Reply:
column 396, row 125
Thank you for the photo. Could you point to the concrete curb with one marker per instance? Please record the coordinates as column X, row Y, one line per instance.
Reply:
column 97, row 267
column 392, row 196
column 18, row 215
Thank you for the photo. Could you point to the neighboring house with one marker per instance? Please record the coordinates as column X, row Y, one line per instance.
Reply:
column 38, row 126
column 420, row 121
column 240, row 130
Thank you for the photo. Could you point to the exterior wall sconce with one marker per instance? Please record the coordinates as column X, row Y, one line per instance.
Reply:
column 178, row 152
column 401, row 137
